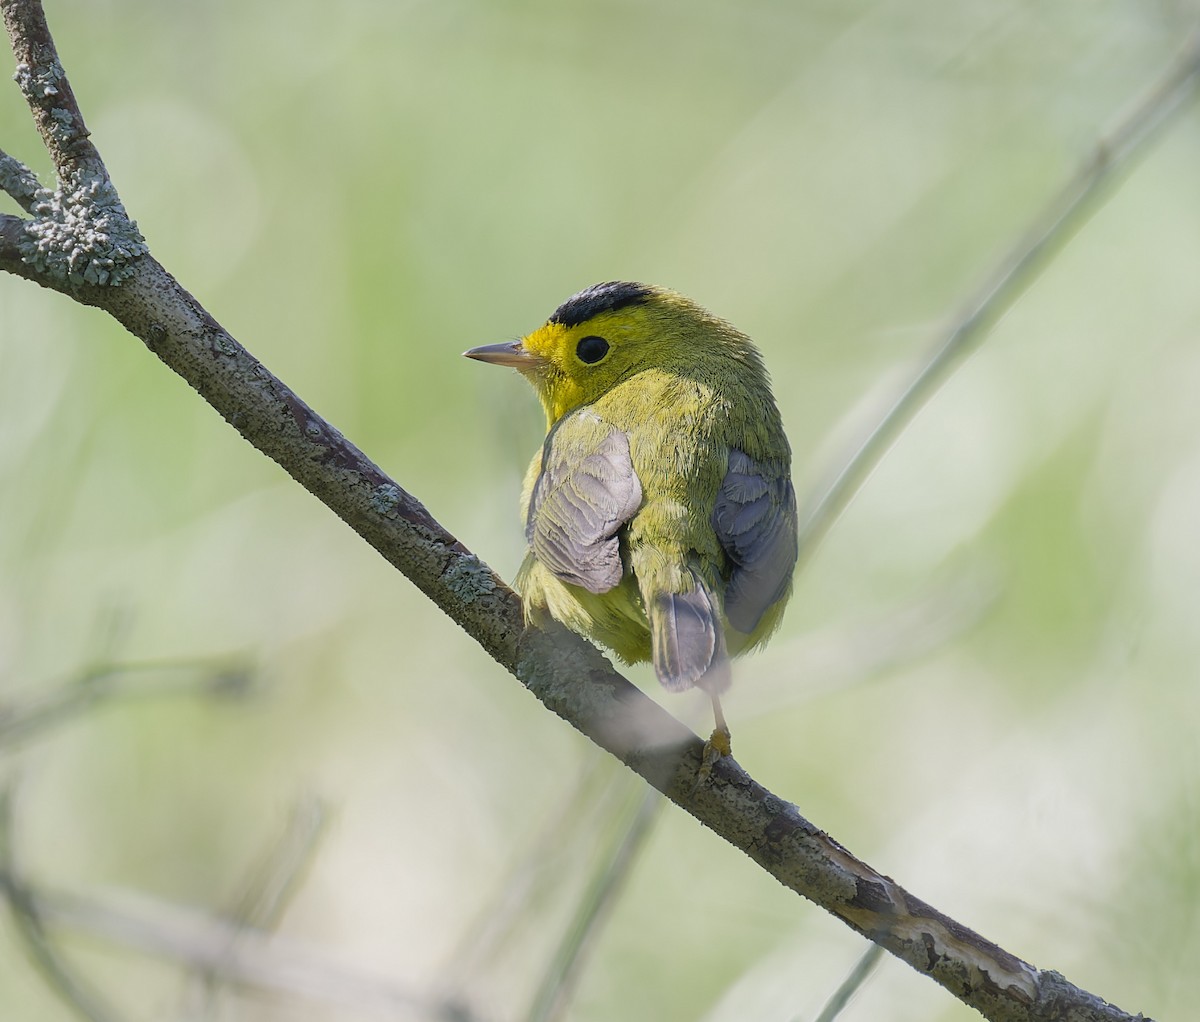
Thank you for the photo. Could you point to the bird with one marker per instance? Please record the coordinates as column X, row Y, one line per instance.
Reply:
column 659, row 510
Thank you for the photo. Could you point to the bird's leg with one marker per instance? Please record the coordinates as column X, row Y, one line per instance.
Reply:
column 719, row 741
column 718, row 744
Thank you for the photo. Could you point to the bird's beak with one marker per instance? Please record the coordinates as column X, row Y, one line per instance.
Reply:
column 510, row 353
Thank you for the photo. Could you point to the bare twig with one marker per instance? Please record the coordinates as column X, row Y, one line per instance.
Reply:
column 99, row 684
column 200, row 942
column 595, row 907
column 1115, row 155
column 851, row 984
column 862, row 650
column 562, row 670
column 233, row 951
column 270, row 887
column 550, row 858
column 27, row 917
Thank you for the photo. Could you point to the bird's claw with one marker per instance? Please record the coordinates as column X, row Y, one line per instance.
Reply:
column 718, row 746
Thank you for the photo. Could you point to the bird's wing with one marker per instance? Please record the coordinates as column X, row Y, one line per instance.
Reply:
column 586, row 491
column 755, row 522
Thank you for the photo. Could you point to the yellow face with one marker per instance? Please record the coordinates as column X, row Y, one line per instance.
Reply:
column 575, row 365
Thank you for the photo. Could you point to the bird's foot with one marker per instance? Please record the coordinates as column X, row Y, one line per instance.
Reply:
column 719, row 745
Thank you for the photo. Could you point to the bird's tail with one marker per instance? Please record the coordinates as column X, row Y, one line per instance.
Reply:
column 687, row 639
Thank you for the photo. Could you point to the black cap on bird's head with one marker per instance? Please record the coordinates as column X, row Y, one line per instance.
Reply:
column 606, row 297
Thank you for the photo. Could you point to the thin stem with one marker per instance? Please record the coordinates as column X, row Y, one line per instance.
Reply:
column 850, row 985
column 548, row 862
column 269, row 889
column 21, row 718
column 1115, row 155
column 59, row 977
column 594, row 909
column 198, row 941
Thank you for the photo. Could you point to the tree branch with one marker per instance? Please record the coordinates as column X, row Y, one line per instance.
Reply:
column 567, row 674
column 19, row 181
column 12, row 239
column 43, row 83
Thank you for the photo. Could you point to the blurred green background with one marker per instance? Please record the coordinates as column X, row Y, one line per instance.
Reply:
column 987, row 684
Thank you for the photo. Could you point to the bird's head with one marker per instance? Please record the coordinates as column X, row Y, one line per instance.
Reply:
column 608, row 333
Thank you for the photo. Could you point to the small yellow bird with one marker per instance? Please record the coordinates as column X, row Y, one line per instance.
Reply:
column 659, row 511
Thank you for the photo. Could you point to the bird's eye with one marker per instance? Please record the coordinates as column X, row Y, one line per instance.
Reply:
column 591, row 349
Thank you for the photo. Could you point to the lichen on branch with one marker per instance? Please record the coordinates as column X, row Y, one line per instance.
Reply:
column 81, row 234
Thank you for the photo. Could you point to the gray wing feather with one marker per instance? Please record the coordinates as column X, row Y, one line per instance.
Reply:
column 755, row 522
column 577, row 509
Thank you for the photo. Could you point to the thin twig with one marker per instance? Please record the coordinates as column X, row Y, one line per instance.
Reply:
column 199, row 941
column 270, row 887
column 1115, row 155
column 59, row 977
column 103, row 683
column 850, row 985
column 866, row 649
column 549, row 858
column 594, row 909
